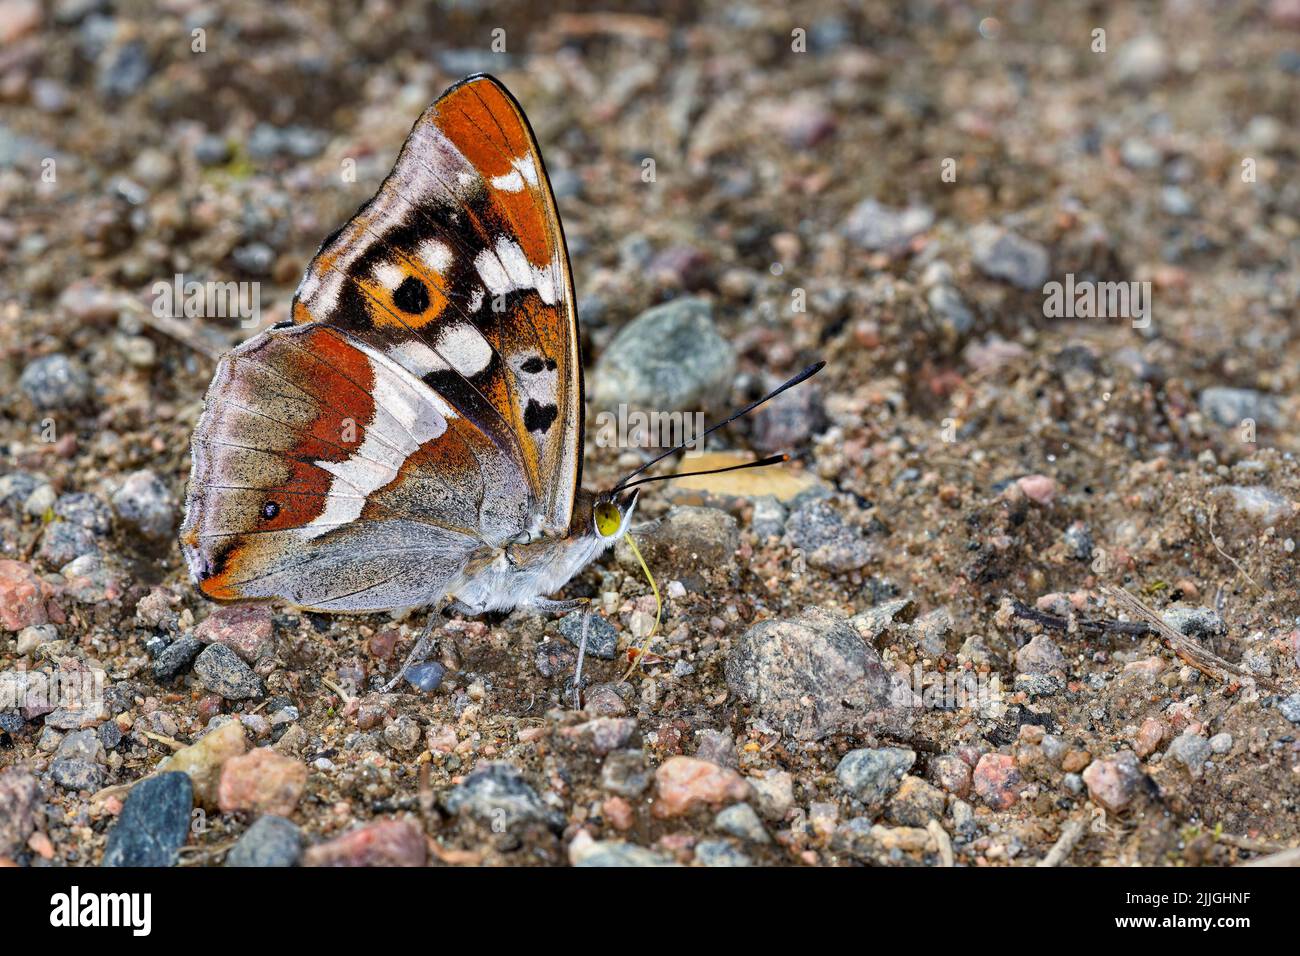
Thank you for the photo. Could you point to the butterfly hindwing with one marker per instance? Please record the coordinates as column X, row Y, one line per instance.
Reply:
column 298, row 487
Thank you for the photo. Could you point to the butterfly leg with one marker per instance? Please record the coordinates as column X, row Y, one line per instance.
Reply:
column 582, row 652
column 457, row 606
column 547, row 606
column 418, row 652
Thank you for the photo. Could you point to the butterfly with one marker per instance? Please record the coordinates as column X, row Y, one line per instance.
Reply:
column 412, row 436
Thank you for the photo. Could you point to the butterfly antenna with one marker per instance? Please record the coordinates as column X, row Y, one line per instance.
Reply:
column 761, row 463
column 806, row 374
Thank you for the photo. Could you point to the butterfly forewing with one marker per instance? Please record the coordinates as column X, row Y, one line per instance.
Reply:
column 457, row 270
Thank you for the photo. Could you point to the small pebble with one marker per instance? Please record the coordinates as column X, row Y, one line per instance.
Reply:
column 55, row 382
column 996, row 781
column 262, row 781
column 270, row 841
column 872, row 775
column 222, row 672
column 683, row 783
column 154, row 823
column 426, row 677
column 741, row 821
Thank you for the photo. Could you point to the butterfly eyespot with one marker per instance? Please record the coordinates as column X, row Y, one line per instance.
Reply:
column 533, row 365
column 411, row 296
column 270, row 510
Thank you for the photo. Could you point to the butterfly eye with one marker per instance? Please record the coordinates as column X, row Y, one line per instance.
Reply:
column 608, row 518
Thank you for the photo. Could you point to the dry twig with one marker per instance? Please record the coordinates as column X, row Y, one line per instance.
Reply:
column 1065, row 843
column 1189, row 651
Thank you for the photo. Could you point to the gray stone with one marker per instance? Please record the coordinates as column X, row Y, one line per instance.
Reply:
column 916, row 803
column 212, row 150
column 40, row 501
column 670, row 358
column 773, row 793
column 55, row 382
column 36, row 635
column 1040, row 656
column 124, row 70
column 716, row 746
column 624, row 773
column 299, row 142
column 1202, row 623
column 885, row 229
column 874, row 621
column 86, row 510
column 602, row 638
column 19, row 798
column 403, row 733
column 222, row 672
column 497, row 795
column 602, row 735
column 76, row 774
column 254, row 258
column 146, row 505
column 618, row 853
column 1262, row 505
column 946, row 303
column 16, row 487
column 177, row 657
column 872, row 775
column 426, row 677
column 686, row 544
column 271, row 841
column 1078, row 541
column 1221, row 743
column 1229, row 407
column 1191, row 750
column 768, row 519
column 1142, row 61
column 89, row 579
column 789, row 421
column 883, row 846
column 741, row 821
column 63, row 542
column 1175, row 201
column 932, row 631
column 828, row 542
column 720, row 853
column 1138, row 153
column 1289, row 707
column 811, row 675
column 1002, row 254
column 154, row 823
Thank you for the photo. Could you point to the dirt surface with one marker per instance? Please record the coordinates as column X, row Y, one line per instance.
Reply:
column 840, row 675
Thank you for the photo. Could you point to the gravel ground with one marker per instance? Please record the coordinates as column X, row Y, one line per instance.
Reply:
column 842, row 676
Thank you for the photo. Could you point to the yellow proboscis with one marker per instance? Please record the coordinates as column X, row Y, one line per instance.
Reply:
column 659, row 608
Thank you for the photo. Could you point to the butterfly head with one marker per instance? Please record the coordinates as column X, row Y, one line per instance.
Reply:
column 611, row 513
